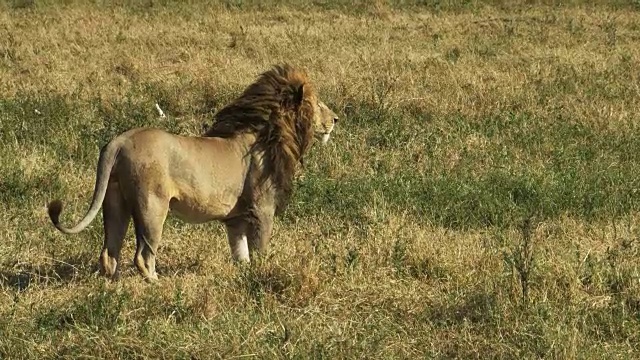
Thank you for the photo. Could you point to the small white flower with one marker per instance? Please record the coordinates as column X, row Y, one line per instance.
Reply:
column 160, row 112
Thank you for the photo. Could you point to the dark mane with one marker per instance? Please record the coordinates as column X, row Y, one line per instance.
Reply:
column 279, row 108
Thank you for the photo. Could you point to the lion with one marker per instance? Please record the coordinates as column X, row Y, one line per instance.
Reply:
column 240, row 172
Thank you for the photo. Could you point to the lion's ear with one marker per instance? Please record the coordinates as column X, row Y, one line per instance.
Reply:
column 298, row 95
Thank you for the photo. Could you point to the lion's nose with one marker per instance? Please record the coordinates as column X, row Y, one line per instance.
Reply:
column 335, row 120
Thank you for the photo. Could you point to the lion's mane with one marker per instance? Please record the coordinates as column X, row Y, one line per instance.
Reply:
column 278, row 108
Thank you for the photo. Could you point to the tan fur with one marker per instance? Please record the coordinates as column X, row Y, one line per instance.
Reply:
column 238, row 173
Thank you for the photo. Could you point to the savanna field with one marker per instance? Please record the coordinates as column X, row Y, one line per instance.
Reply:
column 479, row 198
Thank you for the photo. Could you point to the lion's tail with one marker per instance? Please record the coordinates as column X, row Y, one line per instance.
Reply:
column 108, row 156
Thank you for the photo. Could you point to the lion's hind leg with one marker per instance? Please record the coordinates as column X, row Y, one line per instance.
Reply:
column 148, row 219
column 117, row 216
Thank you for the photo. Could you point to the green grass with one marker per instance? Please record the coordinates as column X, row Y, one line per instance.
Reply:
column 528, row 167
column 478, row 199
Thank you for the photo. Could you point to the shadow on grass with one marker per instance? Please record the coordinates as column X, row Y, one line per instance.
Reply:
column 180, row 268
column 55, row 273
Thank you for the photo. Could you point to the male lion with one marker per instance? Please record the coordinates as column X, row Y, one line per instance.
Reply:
column 240, row 172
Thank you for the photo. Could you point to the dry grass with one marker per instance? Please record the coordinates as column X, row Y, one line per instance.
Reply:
column 407, row 236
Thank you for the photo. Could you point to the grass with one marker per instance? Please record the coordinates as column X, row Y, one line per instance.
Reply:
column 479, row 198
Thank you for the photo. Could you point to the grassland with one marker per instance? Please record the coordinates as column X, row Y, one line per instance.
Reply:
column 479, row 199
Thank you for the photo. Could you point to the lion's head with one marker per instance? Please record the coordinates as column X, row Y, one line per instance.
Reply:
column 325, row 120
column 282, row 108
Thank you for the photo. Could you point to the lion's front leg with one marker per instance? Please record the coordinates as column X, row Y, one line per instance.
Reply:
column 250, row 234
column 259, row 232
column 237, row 236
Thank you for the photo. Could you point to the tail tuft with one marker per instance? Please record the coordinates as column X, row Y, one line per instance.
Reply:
column 55, row 208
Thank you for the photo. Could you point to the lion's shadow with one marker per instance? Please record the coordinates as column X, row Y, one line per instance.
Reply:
column 21, row 276
column 188, row 266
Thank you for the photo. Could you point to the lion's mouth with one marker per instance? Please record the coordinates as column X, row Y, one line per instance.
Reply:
column 325, row 138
